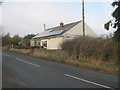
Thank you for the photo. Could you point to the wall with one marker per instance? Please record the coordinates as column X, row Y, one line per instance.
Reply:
column 53, row 43
column 78, row 30
column 32, row 42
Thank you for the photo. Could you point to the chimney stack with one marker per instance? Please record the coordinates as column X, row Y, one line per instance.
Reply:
column 61, row 24
column 44, row 27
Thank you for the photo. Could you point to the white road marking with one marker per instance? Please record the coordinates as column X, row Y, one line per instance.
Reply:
column 89, row 81
column 27, row 62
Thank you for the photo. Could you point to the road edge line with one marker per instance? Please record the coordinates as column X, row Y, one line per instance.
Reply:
column 27, row 62
column 97, row 84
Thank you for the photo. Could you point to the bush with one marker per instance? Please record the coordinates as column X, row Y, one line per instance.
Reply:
column 88, row 48
column 22, row 47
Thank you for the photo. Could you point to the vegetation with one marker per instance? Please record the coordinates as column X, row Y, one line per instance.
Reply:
column 94, row 53
column 63, row 57
column 92, row 49
column 27, row 38
column 116, row 22
column 6, row 40
column 16, row 40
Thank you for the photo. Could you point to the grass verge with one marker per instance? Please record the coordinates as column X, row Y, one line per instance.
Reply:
column 63, row 57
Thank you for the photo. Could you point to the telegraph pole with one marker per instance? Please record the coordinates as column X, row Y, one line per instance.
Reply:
column 83, row 18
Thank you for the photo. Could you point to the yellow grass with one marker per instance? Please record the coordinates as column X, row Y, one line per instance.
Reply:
column 23, row 51
column 61, row 56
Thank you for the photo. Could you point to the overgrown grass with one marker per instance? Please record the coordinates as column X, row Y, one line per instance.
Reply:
column 63, row 57
column 93, row 49
column 22, row 51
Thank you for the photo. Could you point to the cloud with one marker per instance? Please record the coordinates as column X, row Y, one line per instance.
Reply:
column 30, row 17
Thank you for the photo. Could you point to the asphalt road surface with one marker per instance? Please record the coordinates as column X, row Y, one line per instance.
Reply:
column 21, row 71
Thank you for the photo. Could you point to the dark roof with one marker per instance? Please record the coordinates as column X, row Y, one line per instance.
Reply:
column 56, row 30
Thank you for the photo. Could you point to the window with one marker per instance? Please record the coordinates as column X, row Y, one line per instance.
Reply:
column 44, row 44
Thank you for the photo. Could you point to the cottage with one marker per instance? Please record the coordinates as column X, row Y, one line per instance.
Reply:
column 52, row 38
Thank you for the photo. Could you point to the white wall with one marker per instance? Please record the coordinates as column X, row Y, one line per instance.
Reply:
column 78, row 30
column 53, row 43
column 32, row 42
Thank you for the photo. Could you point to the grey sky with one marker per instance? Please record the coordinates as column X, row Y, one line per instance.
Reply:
column 28, row 17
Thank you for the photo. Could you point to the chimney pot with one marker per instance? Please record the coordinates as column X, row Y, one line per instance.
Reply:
column 44, row 27
column 61, row 24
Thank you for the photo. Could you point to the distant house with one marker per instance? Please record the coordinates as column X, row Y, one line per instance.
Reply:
column 52, row 38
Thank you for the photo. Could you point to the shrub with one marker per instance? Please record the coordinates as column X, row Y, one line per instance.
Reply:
column 22, row 47
column 88, row 48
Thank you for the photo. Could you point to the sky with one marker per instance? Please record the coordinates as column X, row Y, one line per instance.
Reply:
column 28, row 16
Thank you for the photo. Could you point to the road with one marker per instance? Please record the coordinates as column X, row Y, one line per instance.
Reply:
column 21, row 71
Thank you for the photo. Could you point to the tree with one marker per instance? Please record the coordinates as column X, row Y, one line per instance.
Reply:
column 116, row 23
column 6, row 40
column 16, row 39
column 27, row 38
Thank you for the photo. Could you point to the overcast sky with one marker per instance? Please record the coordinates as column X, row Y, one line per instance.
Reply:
column 29, row 16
